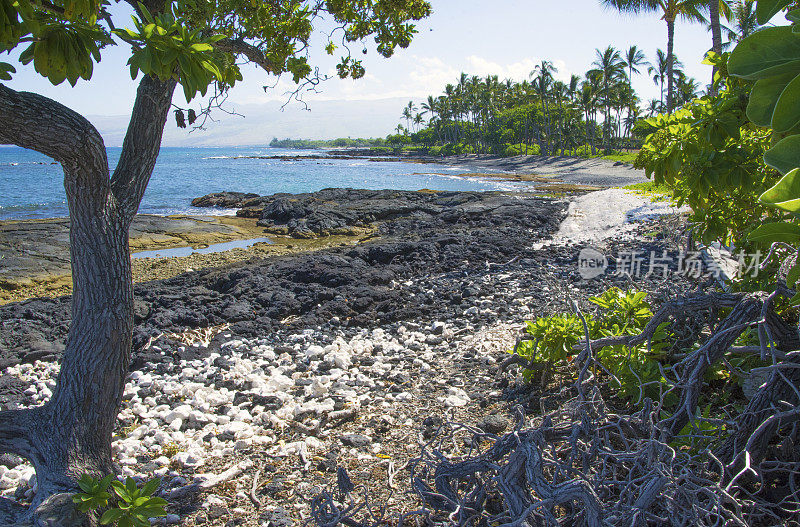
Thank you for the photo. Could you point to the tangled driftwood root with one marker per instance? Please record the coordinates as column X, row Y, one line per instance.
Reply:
column 583, row 465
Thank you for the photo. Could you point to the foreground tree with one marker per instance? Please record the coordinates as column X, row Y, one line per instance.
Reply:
column 192, row 43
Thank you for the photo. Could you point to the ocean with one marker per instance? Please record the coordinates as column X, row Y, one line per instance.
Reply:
column 31, row 184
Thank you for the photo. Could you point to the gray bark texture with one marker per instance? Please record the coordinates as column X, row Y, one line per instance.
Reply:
column 71, row 433
column 716, row 35
column 670, row 63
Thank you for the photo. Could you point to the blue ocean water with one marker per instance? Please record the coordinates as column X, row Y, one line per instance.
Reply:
column 31, row 184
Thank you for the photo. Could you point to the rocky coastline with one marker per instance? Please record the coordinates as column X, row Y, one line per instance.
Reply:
column 252, row 382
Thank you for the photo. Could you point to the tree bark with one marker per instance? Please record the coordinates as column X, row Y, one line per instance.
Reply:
column 670, row 62
column 716, row 36
column 71, row 433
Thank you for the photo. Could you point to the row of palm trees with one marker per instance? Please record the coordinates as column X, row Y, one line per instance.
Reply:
column 598, row 110
column 740, row 14
column 478, row 111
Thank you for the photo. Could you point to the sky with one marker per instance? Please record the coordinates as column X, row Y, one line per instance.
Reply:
column 503, row 37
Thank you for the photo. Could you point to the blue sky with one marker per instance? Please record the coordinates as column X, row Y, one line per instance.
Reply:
column 503, row 37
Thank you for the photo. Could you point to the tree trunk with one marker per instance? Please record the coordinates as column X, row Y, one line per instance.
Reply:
column 670, row 61
column 71, row 434
column 716, row 36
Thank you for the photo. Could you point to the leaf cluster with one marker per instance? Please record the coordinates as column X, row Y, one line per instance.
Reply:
column 770, row 58
column 132, row 506
column 198, row 42
column 620, row 313
column 711, row 155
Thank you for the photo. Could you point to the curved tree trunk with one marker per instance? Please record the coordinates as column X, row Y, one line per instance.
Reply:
column 71, row 433
column 670, row 63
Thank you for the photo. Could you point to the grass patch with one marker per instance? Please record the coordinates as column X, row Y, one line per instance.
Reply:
column 624, row 158
column 650, row 189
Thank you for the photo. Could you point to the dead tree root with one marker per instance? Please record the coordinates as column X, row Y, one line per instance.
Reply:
column 581, row 465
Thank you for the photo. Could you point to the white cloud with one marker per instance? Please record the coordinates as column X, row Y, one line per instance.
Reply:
column 411, row 77
column 516, row 71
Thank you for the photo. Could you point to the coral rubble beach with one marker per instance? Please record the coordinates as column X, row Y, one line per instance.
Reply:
column 272, row 369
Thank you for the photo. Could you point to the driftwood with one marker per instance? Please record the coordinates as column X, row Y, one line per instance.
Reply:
column 582, row 465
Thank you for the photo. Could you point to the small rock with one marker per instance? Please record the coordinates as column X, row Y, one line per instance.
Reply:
column 493, row 424
column 355, row 440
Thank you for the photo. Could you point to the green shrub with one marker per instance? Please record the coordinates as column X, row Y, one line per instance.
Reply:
column 132, row 506
column 621, row 313
column 519, row 149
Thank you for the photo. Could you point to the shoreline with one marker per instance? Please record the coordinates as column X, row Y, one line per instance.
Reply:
column 329, row 358
column 43, row 270
column 35, row 252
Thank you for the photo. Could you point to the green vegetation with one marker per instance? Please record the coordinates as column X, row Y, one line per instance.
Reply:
column 627, row 157
column 711, row 155
column 631, row 370
column 591, row 116
column 770, row 59
column 341, row 142
column 131, row 506
column 657, row 192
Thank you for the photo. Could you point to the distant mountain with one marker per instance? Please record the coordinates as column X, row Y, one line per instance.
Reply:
column 262, row 122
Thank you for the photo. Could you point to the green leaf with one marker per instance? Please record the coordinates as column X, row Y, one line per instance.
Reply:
column 766, row 9
column 150, row 487
column 6, row 70
column 86, row 483
column 793, row 275
column 157, row 502
column 785, row 195
column 776, row 232
column 151, row 512
column 787, row 109
column 121, row 491
column 201, row 47
column 131, row 487
column 771, row 51
column 105, row 482
column 764, row 96
column 111, row 515
column 785, row 155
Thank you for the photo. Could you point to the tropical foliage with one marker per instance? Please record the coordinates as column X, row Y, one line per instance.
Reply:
column 552, row 340
column 541, row 115
column 771, row 59
column 711, row 155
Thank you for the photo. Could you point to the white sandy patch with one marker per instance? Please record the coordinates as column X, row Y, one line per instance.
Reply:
column 597, row 216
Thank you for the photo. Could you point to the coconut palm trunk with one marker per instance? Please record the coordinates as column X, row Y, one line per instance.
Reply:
column 670, row 62
column 716, row 35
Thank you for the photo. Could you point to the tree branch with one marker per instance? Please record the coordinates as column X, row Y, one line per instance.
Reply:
column 249, row 51
column 32, row 121
column 142, row 143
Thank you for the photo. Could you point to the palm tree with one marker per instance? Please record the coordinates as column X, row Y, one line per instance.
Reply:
column 418, row 120
column 609, row 64
column 715, row 7
column 543, row 79
column 744, row 22
column 671, row 10
column 658, row 71
column 634, row 57
column 408, row 112
column 653, row 107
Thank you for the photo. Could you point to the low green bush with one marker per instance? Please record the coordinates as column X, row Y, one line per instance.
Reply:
column 635, row 369
column 131, row 506
column 519, row 149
